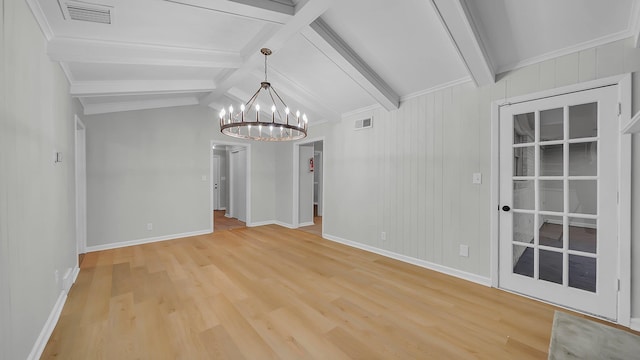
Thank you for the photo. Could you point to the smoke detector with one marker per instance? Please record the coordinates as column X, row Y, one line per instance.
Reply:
column 84, row 11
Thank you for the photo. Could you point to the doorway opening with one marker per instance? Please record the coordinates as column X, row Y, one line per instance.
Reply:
column 309, row 186
column 230, row 185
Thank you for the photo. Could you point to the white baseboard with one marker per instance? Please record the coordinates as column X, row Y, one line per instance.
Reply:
column 271, row 222
column 43, row 338
column 146, row 241
column 306, row 224
column 634, row 324
column 260, row 223
column 76, row 271
column 422, row 263
column 284, row 224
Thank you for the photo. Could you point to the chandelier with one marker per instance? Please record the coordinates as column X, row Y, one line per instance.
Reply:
column 249, row 123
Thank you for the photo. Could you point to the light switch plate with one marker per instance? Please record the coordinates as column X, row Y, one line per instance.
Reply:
column 477, row 178
column 464, row 250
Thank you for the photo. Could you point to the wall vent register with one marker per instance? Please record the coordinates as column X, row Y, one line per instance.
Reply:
column 364, row 124
column 84, row 11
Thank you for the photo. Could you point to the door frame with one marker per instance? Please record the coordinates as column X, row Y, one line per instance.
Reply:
column 247, row 146
column 80, row 142
column 233, row 211
column 215, row 205
column 623, row 82
column 296, row 178
column 321, row 182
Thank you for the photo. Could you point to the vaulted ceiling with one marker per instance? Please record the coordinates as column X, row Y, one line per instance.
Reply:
column 330, row 57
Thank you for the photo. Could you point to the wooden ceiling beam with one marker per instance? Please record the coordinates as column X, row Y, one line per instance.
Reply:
column 465, row 37
column 273, row 38
column 333, row 47
column 278, row 12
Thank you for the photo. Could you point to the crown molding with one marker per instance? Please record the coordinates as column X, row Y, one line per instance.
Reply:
column 366, row 109
column 439, row 87
column 634, row 23
column 41, row 19
column 138, row 87
column 565, row 51
column 278, row 12
column 93, row 109
column 65, row 49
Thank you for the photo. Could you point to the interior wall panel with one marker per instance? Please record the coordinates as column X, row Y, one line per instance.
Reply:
column 424, row 154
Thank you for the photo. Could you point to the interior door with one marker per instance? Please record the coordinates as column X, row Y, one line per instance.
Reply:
column 215, row 168
column 558, row 200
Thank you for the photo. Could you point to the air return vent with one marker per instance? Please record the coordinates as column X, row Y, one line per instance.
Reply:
column 364, row 124
column 82, row 11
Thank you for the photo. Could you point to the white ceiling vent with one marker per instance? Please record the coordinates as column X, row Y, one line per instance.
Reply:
column 364, row 124
column 83, row 11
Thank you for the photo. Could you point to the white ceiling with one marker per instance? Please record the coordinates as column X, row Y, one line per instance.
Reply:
column 331, row 57
column 518, row 32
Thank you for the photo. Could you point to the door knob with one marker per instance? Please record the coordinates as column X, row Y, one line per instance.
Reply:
column 506, row 208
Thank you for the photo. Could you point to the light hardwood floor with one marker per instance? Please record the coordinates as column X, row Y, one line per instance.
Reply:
column 270, row 292
column 221, row 222
column 316, row 228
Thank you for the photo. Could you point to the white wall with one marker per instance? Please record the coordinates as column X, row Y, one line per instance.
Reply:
column 37, row 197
column 5, row 304
column 410, row 175
column 147, row 166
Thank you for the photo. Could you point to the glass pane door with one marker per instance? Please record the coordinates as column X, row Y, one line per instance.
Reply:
column 553, row 210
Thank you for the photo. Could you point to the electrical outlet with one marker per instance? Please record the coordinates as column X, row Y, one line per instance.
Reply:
column 464, row 250
column 149, row 226
column 477, row 178
column 383, row 236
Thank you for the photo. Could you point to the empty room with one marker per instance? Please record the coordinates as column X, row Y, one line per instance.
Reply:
column 319, row 179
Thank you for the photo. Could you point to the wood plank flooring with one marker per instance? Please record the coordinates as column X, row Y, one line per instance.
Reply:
column 316, row 228
column 274, row 293
column 221, row 222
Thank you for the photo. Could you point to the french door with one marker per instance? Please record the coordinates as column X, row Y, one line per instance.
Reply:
column 558, row 200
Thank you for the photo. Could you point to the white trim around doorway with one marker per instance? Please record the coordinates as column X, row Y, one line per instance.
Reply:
column 296, row 180
column 80, row 157
column 247, row 146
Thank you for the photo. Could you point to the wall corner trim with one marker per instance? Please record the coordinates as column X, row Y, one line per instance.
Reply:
column 284, row 224
column 418, row 262
column 634, row 324
column 260, row 223
column 146, row 240
column 271, row 222
column 48, row 327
